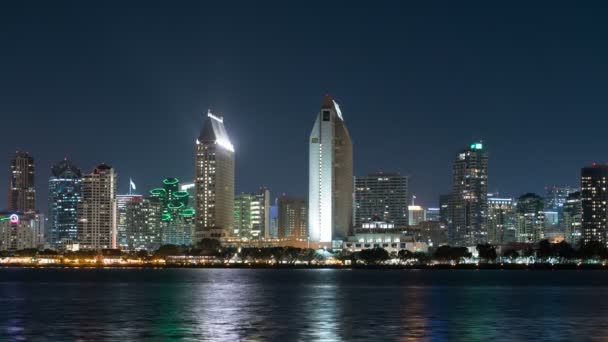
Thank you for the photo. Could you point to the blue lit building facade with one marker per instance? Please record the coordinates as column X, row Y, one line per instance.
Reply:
column 64, row 195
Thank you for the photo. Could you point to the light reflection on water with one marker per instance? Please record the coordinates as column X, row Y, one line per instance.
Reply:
column 304, row 305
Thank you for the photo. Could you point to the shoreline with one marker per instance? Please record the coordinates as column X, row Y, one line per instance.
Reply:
column 548, row 267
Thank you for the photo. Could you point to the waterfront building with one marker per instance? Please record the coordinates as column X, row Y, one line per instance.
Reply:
column 594, row 203
column 572, row 218
column 64, row 196
column 530, row 218
column 21, row 230
column 330, row 176
column 214, row 183
column 122, row 202
column 252, row 215
column 143, row 223
column 97, row 210
column 501, row 220
column 469, row 197
column 274, row 220
column 381, row 195
column 445, row 213
column 22, row 189
column 292, row 218
column 177, row 216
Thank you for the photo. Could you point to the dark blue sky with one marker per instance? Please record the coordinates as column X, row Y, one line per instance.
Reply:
column 129, row 85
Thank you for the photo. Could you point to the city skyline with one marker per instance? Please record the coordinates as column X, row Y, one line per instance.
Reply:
column 412, row 98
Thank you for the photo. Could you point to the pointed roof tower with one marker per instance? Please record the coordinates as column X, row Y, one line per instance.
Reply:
column 214, row 132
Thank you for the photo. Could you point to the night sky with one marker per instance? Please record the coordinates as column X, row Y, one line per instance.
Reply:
column 129, row 85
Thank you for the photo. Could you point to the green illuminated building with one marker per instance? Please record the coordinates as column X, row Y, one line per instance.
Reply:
column 177, row 217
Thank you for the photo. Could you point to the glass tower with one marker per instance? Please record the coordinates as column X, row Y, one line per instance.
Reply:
column 64, row 195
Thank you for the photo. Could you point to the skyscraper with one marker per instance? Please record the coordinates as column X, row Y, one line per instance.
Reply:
column 445, row 209
column 177, row 217
column 381, row 195
column 594, row 202
column 416, row 214
column 556, row 197
column 252, row 215
column 572, row 218
column 143, row 223
column 214, row 183
column 64, row 195
column 122, row 202
column 97, row 209
column 501, row 220
column 530, row 218
column 469, row 197
column 22, row 191
column 330, row 186
column 292, row 218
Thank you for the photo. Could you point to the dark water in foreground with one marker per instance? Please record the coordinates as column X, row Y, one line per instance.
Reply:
column 305, row 305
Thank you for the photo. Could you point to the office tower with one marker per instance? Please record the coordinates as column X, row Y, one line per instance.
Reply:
column 445, row 212
column 97, row 209
column 572, row 218
column 177, row 217
column 433, row 214
column 416, row 214
column 292, row 218
column 64, row 195
column 330, row 172
column 263, row 223
column 381, row 195
column 594, row 202
column 22, row 191
column 121, row 218
column 252, row 215
column 242, row 215
column 556, row 197
column 143, row 223
column 530, row 218
column 21, row 231
column 274, row 220
column 501, row 220
column 469, row 197
column 214, row 183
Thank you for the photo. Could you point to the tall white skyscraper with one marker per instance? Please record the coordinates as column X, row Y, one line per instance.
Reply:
column 214, row 183
column 330, row 186
column 97, row 209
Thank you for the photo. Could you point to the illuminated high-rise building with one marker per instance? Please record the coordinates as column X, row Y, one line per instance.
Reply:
column 177, row 217
column 64, row 195
column 330, row 185
column 97, row 209
column 214, row 183
column 22, row 191
column 252, row 215
column 530, row 218
column 445, row 209
column 21, row 231
column 572, row 218
column 594, row 203
column 143, row 223
column 501, row 220
column 382, row 196
column 122, row 202
column 433, row 214
column 292, row 218
column 469, row 197
column 416, row 214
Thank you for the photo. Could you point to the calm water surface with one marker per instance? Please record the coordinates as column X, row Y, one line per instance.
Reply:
column 301, row 305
